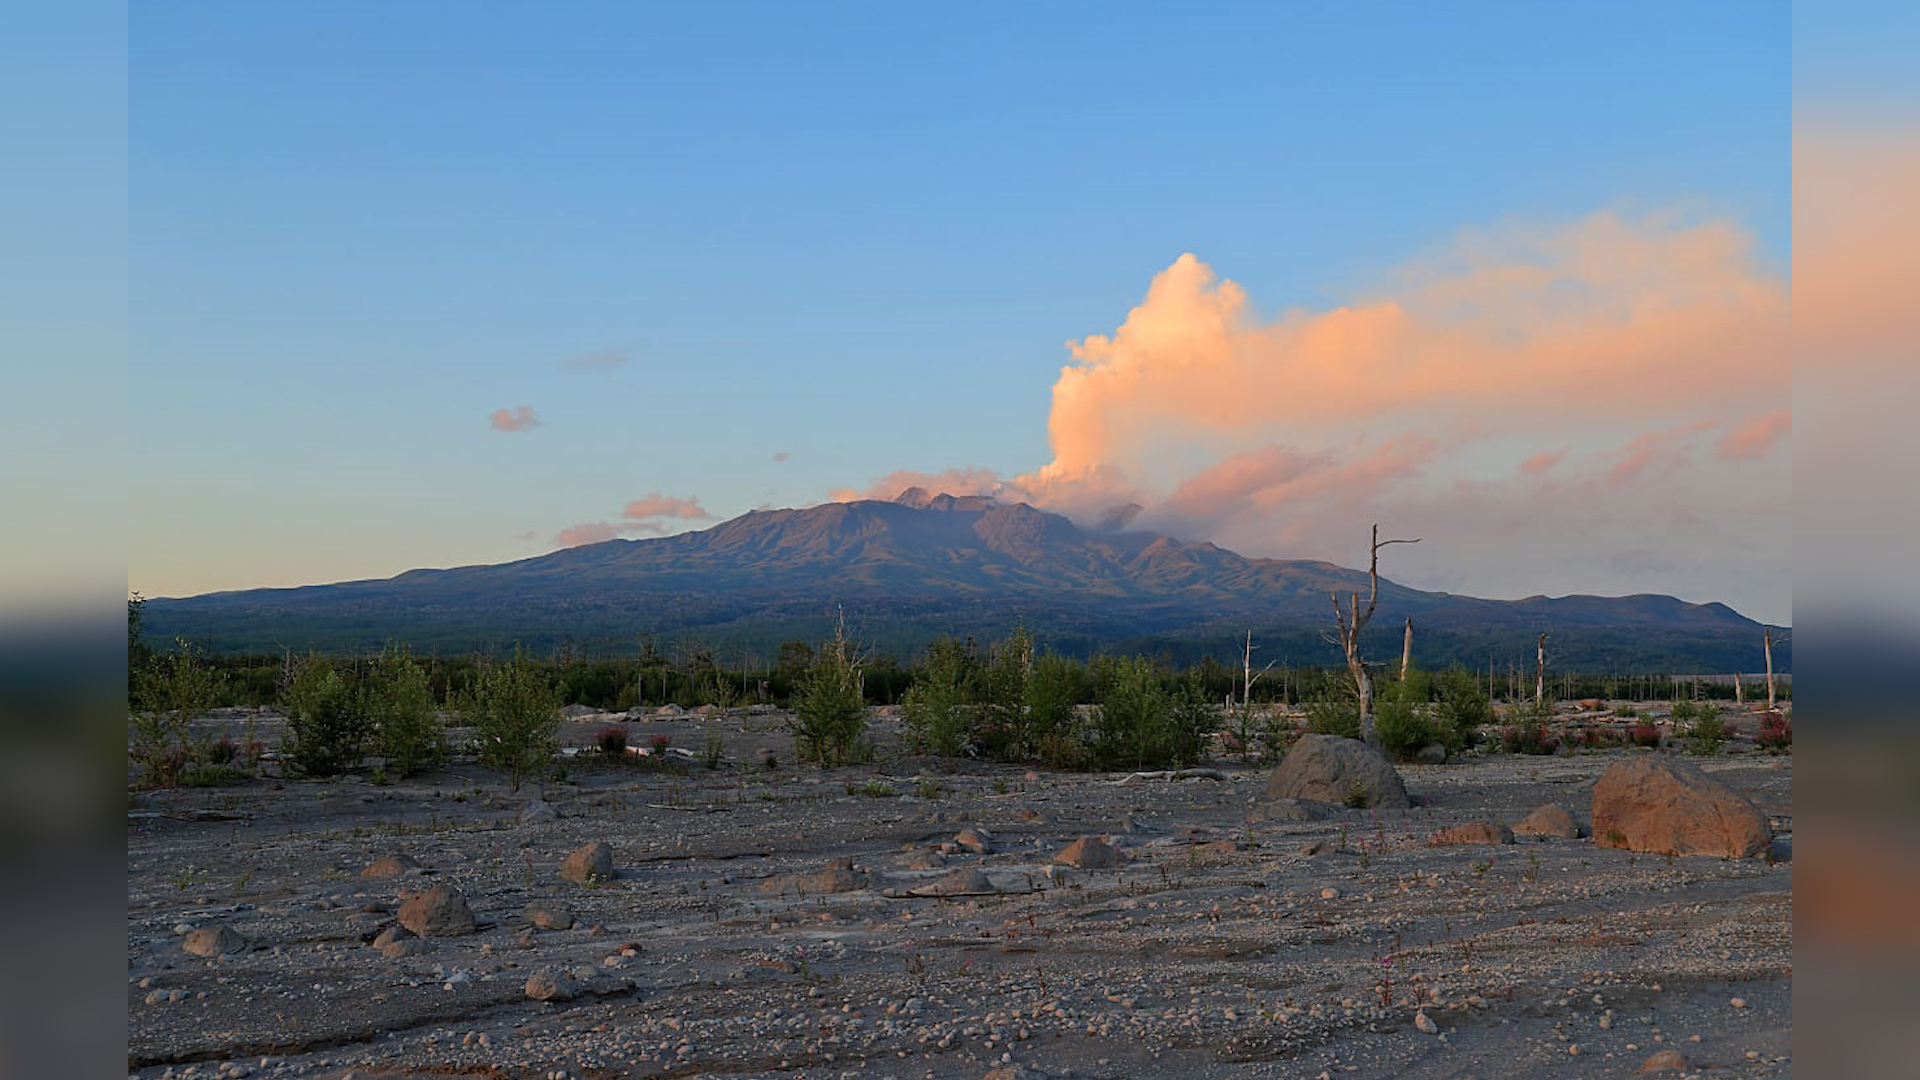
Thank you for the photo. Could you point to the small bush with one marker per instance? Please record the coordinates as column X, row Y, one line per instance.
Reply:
column 1644, row 734
column 1464, row 708
column 715, row 750
column 658, row 743
column 1333, row 716
column 327, row 721
column 399, row 705
column 830, row 712
column 1400, row 720
column 515, row 713
column 1626, row 712
column 1528, row 737
column 1776, row 733
column 1707, row 731
column 612, row 740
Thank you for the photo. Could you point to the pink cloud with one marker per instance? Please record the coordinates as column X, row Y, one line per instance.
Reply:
column 1756, row 438
column 780, row 455
column 1543, row 461
column 656, row 505
column 588, row 532
column 970, row 480
column 519, row 418
column 1656, row 449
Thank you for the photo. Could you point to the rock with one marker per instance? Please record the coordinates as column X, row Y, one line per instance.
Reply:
column 401, row 948
column 1472, row 832
column 1662, row 1060
column 589, row 864
column 923, row 859
column 1333, row 769
column 1431, row 754
column 962, row 882
column 1289, row 810
column 390, row 935
column 1666, row 806
column 1007, row 1072
column 1089, row 853
column 550, row 984
column 975, row 840
column 538, row 812
column 1316, row 847
column 1425, row 1023
column 578, row 712
column 1329, row 893
column 839, row 876
column 548, row 915
column 438, row 912
column 214, row 941
column 397, row 864
column 1549, row 820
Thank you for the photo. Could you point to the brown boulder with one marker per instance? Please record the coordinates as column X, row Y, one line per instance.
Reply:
column 548, row 915
column 1334, row 769
column 1089, row 853
column 839, row 876
column 438, row 912
column 1472, row 832
column 1666, row 806
column 1549, row 820
column 1662, row 1061
column 590, row 864
column 975, row 840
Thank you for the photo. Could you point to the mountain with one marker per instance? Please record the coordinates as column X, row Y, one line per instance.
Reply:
column 924, row 565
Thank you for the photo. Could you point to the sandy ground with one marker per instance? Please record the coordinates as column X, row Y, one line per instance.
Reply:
column 1221, row 947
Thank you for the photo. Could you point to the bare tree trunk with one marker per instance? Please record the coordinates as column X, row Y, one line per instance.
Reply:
column 1406, row 651
column 1540, row 670
column 1766, row 641
column 1350, row 621
column 1739, row 689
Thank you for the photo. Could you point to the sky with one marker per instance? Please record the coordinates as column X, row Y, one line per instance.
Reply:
column 436, row 284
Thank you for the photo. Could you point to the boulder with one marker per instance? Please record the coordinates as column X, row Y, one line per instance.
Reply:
column 1472, row 832
column 214, row 941
column 1663, row 1061
column 1549, row 820
column 1334, row 769
column 438, row 912
column 963, row 882
column 1089, row 853
column 1666, row 806
column 1431, row 754
column 589, row 864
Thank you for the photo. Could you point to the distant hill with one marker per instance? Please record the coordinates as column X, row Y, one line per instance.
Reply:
column 924, row 565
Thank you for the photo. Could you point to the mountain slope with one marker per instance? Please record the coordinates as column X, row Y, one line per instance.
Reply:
column 921, row 566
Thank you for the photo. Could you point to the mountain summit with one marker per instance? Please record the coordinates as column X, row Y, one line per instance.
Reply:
column 923, row 565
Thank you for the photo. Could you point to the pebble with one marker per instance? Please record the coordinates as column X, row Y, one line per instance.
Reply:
column 1329, row 893
column 1425, row 1023
column 1738, row 1003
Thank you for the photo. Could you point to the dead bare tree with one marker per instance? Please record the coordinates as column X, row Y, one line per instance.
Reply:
column 1406, row 651
column 1766, row 641
column 1350, row 621
column 1540, row 670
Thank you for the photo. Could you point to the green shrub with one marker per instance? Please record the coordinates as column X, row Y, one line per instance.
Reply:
column 1707, row 731
column 830, row 712
column 327, row 722
column 399, row 705
column 1055, row 686
column 1464, row 708
column 1139, row 724
column 515, row 713
column 1333, row 715
column 1003, row 728
column 170, row 690
column 938, row 708
column 1400, row 716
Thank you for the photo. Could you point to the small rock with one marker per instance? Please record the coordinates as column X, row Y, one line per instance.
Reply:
column 1425, row 1023
column 962, row 882
column 1662, row 1060
column 1549, row 820
column 390, row 935
column 974, row 840
column 549, row 984
column 1431, row 754
column 397, row 864
column 548, row 915
column 1329, row 893
column 1738, row 1003
column 1472, row 832
column 401, row 948
column 589, row 864
column 538, row 812
column 215, row 941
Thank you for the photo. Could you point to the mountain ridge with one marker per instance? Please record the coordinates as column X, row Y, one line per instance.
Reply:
column 923, row 565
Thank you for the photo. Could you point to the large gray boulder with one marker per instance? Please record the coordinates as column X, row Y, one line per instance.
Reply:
column 1335, row 769
column 1667, row 806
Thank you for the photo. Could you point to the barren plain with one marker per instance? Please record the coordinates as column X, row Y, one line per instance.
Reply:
column 790, row 921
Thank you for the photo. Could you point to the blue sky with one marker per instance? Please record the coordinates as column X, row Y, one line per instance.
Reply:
column 851, row 234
